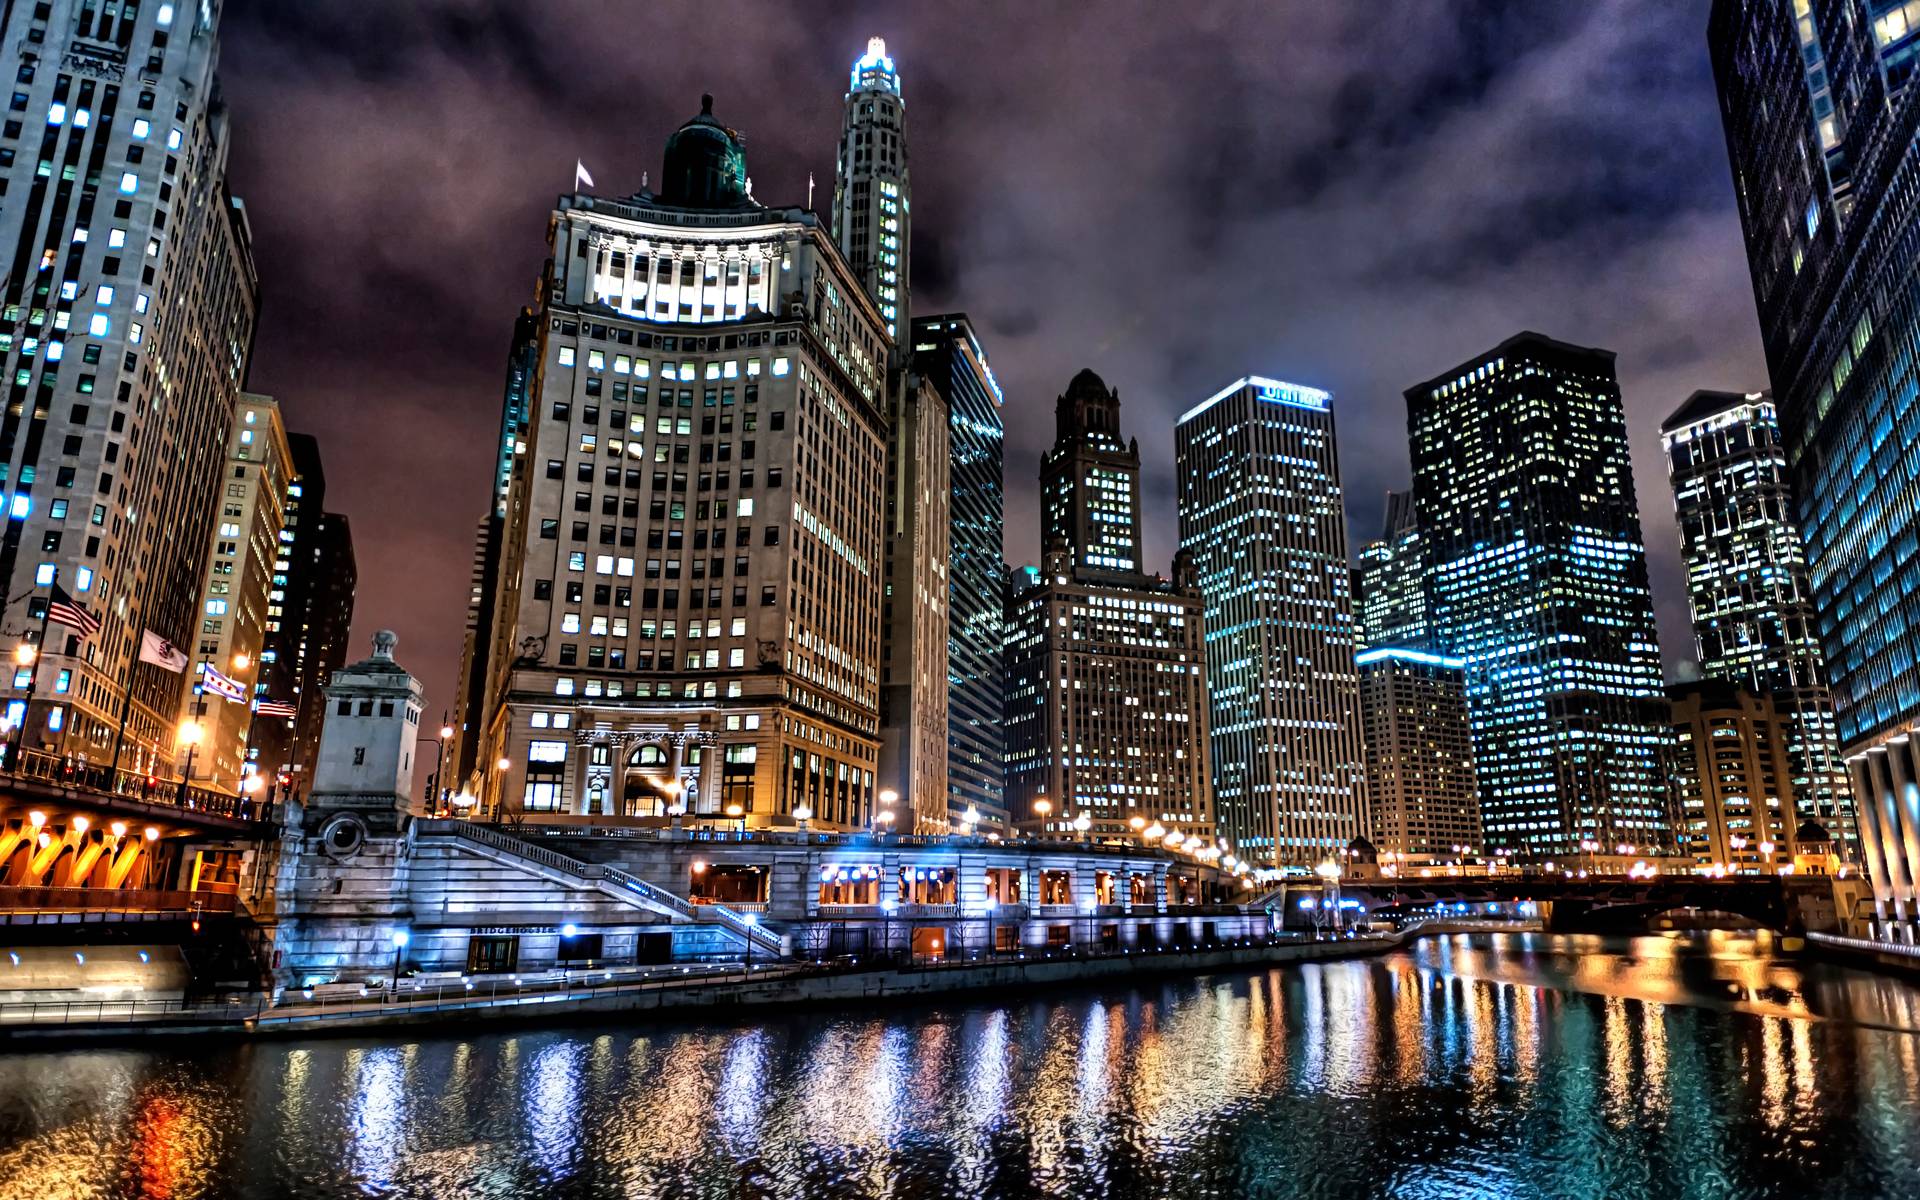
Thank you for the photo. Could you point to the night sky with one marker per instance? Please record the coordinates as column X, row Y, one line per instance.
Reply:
column 1355, row 196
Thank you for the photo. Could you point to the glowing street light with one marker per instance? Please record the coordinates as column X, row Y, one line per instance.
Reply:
column 802, row 813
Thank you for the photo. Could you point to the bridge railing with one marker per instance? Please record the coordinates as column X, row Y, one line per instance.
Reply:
column 69, row 772
column 69, row 899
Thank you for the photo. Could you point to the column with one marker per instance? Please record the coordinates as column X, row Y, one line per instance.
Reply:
column 1905, row 805
column 1886, row 826
column 1862, row 781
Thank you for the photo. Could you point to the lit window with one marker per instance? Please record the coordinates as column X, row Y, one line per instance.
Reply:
column 129, row 183
column 99, row 325
column 779, row 366
column 57, row 115
column 103, row 295
column 216, row 608
column 163, row 18
column 566, row 356
column 116, row 238
column 43, row 574
column 142, row 127
column 84, row 579
column 173, row 139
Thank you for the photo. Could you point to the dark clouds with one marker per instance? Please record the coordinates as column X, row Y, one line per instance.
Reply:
column 1355, row 196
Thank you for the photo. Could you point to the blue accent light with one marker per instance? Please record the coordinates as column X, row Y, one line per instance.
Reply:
column 1402, row 654
column 1271, row 390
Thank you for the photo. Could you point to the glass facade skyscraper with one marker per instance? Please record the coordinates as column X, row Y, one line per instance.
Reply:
column 946, row 352
column 1823, row 134
column 1262, row 519
column 1537, row 579
column 1753, row 619
column 1390, row 600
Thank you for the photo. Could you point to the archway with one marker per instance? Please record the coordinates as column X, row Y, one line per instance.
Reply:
column 646, row 788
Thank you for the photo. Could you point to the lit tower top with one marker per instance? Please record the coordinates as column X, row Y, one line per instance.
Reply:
column 870, row 205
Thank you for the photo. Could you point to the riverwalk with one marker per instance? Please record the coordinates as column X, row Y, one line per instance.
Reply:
column 706, row 990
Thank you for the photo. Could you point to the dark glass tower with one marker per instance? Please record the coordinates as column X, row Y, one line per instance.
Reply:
column 1753, row 619
column 1090, row 485
column 946, row 352
column 1537, row 578
column 1823, row 134
column 1390, row 604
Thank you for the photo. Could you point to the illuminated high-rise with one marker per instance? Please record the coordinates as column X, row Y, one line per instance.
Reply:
column 1421, row 796
column 1753, row 618
column 1823, row 134
column 1106, row 681
column 127, row 306
column 1261, row 517
column 1390, row 589
column 948, row 354
column 1537, row 579
column 871, row 214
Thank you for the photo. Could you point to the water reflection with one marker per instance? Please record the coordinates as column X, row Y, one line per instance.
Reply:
column 1522, row 1065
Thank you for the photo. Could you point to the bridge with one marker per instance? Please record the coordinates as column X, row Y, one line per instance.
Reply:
column 1600, row 904
column 82, row 837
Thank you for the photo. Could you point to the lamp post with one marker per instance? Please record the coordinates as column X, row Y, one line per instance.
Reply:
column 750, row 920
column 738, row 813
column 190, row 735
column 1081, row 825
column 400, row 940
column 970, row 821
column 1042, row 808
column 802, row 813
column 501, row 766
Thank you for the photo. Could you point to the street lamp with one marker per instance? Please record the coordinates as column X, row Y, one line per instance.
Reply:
column 802, row 813
column 190, row 735
column 740, row 814
column 1081, row 824
column 1041, row 809
column 885, row 819
column 400, row 940
column 970, row 821
column 501, row 766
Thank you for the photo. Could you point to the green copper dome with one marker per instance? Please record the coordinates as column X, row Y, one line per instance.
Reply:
column 706, row 165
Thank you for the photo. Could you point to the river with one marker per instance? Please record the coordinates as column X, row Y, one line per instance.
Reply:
column 1475, row 1065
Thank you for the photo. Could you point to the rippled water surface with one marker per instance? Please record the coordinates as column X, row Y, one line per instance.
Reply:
column 1497, row 1065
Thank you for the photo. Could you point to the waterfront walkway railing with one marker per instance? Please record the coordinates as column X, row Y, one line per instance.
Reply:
column 66, row 771
column 1866, row 945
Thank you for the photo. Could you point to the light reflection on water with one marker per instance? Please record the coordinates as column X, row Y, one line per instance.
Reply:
column 1470, row 1066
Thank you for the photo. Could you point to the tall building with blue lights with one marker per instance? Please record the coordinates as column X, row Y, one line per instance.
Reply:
column 870, row 193
column 1390, row 593
column 1823, row 135
column 1753, row 619
column 1262, row 519
column 948, row 354
column 1537, row 580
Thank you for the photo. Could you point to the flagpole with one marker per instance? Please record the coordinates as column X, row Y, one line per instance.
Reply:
column 33, row 679
column 126, row 707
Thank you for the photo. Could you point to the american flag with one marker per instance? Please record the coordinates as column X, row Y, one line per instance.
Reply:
column 65, row 610
column 275, row 708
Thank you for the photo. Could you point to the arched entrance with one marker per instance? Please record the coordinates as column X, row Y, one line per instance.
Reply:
column 647, row 783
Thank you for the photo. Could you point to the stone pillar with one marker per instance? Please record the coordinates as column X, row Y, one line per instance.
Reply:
column 1886, row 825
column 1861, row 778
column 1905, row 805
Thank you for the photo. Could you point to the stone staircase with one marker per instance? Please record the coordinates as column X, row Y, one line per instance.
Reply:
column 625, row 887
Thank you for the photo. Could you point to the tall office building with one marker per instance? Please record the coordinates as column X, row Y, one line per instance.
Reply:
column 1537, row 578
column 690, row 609
column 946, row 352
column 1421, row 792
column 1753, row 618
column 125, row 328
column 871, row 217
column 1390, row 590
column 871, row 198
column 1090, row 484
column 913, row 673
column 482, row 656
column 333, row 575
column 1261, row 517
column 1106, row 679
column 1733, row 778
column 237, row 594
column 308, row 613
column 1823, row 134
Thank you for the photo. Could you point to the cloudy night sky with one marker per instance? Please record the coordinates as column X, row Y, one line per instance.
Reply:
column 1355, row 196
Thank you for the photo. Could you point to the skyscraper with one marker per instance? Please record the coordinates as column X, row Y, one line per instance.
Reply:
column 1753, row 618
column 1823, row 134
column 240, row 586
column 1106, row 684
column 125, row 328
column 871, row 216
column 913, row 674
column 496, row 539
column 1733, row 778
column 1090, row 484
column 947, row 353
column 1262, row 519
column 333, row 574
column 690, row 609
column 1537, row 578
column 1390, row 604
column 1420, row 783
